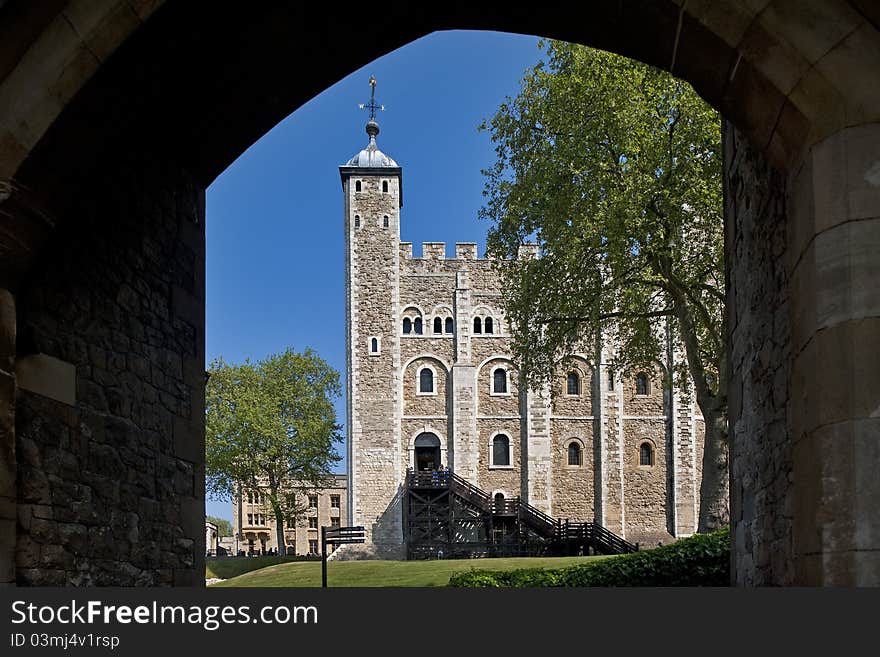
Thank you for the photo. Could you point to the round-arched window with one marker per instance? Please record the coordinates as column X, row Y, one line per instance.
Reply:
column 499, row 381
column 646, row 454
column 573, row 383
column 426, row 380
column 501, row 450
column 574, row 454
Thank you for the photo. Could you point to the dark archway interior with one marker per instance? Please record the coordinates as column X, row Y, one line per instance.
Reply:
column 103, row 266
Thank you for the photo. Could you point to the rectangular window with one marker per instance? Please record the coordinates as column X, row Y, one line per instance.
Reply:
column 313, row 523
column 334, row 501
column 610, row 381
column 313, row 501
column 334, row 522
column 313, row 547
column 250, row 519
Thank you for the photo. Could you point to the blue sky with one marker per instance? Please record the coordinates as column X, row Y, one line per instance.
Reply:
column 275, row 253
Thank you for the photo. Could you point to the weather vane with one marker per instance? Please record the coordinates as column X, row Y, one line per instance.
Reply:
column 372, row 105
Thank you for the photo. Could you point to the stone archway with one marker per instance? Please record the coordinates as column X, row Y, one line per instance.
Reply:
column 115, row 116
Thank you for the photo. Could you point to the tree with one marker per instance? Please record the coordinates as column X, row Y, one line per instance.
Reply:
column 224, row 527
column 614, row 168
column 270, row 428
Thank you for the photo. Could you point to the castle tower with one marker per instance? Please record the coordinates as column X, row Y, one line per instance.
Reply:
column 371, row 183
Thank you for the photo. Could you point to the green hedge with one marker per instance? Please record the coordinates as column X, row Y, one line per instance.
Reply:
column 701, row 560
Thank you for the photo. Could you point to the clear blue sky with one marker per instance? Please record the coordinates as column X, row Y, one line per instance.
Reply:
column 275, row 253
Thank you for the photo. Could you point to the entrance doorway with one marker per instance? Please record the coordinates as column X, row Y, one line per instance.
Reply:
column 427, row 448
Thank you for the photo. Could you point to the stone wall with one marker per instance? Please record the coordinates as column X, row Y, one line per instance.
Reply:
column 111, row 473
column 374, row 380
column 759, row 340
column 464, row 411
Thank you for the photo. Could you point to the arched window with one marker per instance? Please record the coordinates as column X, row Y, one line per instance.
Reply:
column 478, row 325
column 499, row 381
column 426, row 381
column 357, row 221
column 573, row 384
column 641, row 383
column 646, row 454
column 385, row 186
column 487, row 325
column 501, row 450
column 357, row 185
column 385, row 221
column 499, row 502
column 417, row 325
column 574, row 454
column 438, row 325
column 374, row 345
column 449, row 328
column 407, row 325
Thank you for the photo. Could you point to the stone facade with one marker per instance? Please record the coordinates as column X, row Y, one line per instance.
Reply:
column 109, row 415
column 255, row 527
column 429, row 355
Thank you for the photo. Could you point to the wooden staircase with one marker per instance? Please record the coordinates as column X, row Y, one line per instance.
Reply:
column 446, row 516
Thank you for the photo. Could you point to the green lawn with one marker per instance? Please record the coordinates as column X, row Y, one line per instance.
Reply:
column 227, row 567
column 385, row 573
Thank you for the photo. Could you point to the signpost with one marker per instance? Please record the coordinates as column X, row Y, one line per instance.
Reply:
column 337, row 536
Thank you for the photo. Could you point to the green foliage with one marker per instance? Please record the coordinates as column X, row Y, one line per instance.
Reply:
column 271, row 426
column 701, row 560
column 613, row 168
column 224, row 527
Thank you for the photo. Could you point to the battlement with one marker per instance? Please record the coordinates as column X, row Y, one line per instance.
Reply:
column 434, row 250
column 466, row 250
column 463, row 251
column 527, row 251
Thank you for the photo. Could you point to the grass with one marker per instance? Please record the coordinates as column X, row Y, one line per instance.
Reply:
column 225, row 568
column 386, row 573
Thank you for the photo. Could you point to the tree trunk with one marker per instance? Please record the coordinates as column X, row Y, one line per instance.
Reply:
column 714, row 487
column 279, row 532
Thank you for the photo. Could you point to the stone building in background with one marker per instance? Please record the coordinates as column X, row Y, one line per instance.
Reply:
column 253, row 523
column 430, row 380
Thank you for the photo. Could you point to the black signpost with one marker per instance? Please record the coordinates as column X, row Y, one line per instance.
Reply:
column 337, row 536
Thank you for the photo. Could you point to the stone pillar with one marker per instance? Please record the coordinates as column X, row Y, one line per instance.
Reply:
column 759, row 348
column 464, row 455
column 686, row 486
column 611, row 435
column 7, row 439
column 540, row 456
column 834, row 267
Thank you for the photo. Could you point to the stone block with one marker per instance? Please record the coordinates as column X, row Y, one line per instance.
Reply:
column 813, row 28
column 47, row 376
column 863, row 171
column 433, row 250
column 853, row 60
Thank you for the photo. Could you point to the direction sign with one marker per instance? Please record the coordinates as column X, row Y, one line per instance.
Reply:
column 337, row 536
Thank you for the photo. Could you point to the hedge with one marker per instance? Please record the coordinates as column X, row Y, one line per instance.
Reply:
column 701, row 560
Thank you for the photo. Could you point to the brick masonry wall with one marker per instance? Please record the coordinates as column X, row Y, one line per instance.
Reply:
column 759, row 340
column 111, row 490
